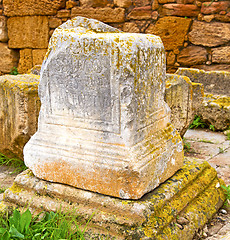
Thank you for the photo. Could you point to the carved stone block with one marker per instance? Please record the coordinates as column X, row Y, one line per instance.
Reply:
column 104, row 125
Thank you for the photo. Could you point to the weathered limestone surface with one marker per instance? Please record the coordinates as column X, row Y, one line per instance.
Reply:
column 179, row 97
column 209, row 34
column 172, row 31
column 31, row 7
column 215, row 107
column 107, row 14
column 103, row 124
column 192, row 194
column 28, row 32
column 19, row 108
column 8, row 58
column 3, row 29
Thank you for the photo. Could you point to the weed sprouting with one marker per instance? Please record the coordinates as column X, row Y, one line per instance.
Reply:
column 16, row 163
column 198, row 122
column 45, row 225
column 14, row 71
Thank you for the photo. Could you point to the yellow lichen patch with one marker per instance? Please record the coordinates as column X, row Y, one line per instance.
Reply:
column 161, row 218
column 15, row 188
column 3, row 208
column 221, row 101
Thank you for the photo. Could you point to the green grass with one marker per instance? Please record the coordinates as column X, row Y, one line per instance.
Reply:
column 14, row 71
column 198, row 122
column 15, row 163
column 227, row 193
column 53, row 226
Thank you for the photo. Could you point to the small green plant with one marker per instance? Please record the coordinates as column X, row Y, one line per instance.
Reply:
column 227, row 193
column 49, row 226
column 187, row 146
column 14, row 71
column 2, row 190
column 221, row 150
column 198, row 122
column 228, row 136
column 17, row 164
column 211, row 127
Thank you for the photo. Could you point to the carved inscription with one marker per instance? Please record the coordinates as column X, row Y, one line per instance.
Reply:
column 81, row 86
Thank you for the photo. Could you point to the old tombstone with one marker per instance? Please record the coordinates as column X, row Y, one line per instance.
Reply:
column 104, row 125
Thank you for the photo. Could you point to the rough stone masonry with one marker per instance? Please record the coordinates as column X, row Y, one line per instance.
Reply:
column 104, row 125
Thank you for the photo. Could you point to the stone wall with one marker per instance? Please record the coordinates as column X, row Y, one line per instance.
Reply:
column 195, row 33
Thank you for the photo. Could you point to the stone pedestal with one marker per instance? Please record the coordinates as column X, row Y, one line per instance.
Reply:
column 175, row 210
column 104, row 125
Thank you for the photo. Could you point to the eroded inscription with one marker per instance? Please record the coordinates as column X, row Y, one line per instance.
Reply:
column 81, row 86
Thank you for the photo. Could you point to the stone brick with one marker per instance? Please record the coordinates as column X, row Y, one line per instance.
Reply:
column 19, row 108
column 123, row 3
column 131, row 27
column 38, row 56
column 209, row 34
column 170, row 58
column 108, row 15
column 54, row 22
column 213, row 67
column 192, row 55
column 222, row 18
column 221, row 54
column 32, row 7
column 141, row 3
column 187, row 10
column 208, row 18
column 25, row 61
column 155, row 5
column 70, row 4
column 166, row 1
column 28, row 32
column 64, row 13
column 214, row 7
column 140, row 13
column 93, row 3
column 3, row 29
column 8, row 58
column 172, row 31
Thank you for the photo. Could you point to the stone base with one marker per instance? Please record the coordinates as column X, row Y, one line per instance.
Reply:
column 174, row 210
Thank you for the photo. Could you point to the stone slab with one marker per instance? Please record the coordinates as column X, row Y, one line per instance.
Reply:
column 14, row 8
column 104, row 125
column 28, row 32
column 193, row 194
column 179, row 97
column 215, row 106
column 205, row 136
column 19, row 108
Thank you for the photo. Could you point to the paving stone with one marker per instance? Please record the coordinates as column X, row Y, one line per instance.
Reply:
column 203, row 135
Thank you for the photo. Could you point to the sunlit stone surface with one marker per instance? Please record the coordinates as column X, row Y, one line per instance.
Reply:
column 104, row 125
